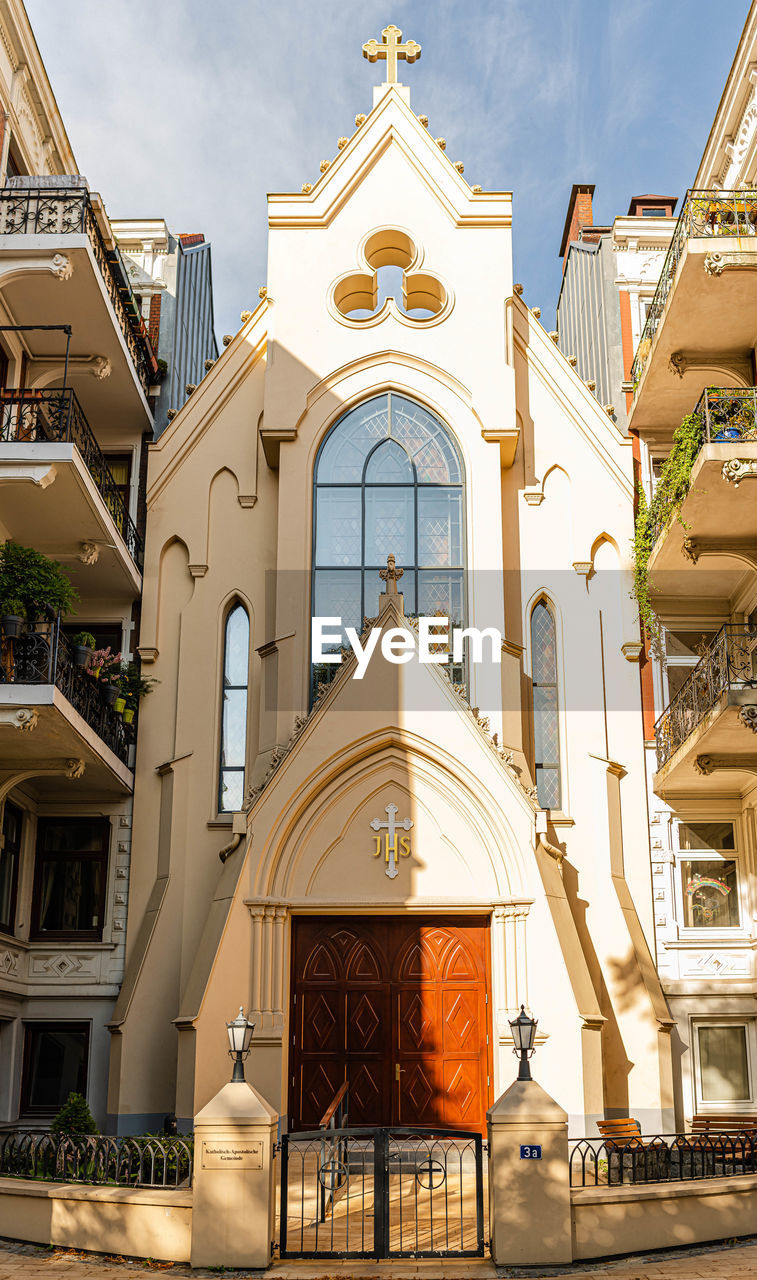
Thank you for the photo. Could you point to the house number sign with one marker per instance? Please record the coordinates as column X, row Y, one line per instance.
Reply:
column 389, row 842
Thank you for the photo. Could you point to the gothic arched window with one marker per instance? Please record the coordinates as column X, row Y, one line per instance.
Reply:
column 388, row 481
column 546, row 705
column 236, row 663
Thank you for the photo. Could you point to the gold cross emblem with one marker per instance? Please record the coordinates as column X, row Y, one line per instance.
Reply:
column 391, row 50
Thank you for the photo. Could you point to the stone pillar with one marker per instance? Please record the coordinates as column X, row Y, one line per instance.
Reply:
column 233, row 1198
column 529, row 1199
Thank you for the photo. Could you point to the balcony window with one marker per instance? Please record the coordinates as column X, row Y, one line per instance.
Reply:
column 708, row 876
column 70, row 876
column 683, row 649
column 9, row 859
column 723, row 1063
column 55, row 1065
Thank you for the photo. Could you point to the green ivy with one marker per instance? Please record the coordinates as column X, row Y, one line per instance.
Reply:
column 652, row 518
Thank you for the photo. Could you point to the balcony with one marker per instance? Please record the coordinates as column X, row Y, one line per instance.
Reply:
column 58, row 259
column 59, row 715
column 705, row 738
column 58, row 493
column 712, row 548
column 700, row 318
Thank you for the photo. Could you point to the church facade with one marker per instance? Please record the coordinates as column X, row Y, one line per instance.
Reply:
column 382, row 863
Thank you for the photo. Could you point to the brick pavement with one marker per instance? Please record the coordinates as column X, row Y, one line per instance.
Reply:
column 737, row 1261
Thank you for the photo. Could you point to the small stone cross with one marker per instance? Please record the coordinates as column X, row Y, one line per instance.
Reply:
column 391, row 50
column 391, row 575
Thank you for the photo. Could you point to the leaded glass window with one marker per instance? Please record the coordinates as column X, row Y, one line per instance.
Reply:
column 546, row 707
column 236, row 661
column 388, row 481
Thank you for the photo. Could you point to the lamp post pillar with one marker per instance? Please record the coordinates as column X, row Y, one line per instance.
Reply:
column 233, row 1198
column 529, row 1185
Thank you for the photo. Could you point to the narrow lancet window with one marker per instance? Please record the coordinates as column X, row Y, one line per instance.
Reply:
column 236, row 661
column 546, row 706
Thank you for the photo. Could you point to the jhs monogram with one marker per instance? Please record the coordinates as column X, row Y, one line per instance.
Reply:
column 395, row 846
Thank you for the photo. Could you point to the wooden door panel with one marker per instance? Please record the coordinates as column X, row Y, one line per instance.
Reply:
column 418, row 1095
column 371, row 994
column 461, row 1030
column 417, row 1029
column 320, row 1029
column 461, row 1104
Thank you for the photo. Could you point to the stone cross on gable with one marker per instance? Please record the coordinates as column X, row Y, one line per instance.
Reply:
column 391, row 50
column 391, row 575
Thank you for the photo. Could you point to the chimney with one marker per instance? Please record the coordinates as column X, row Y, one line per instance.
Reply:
column 579, row 215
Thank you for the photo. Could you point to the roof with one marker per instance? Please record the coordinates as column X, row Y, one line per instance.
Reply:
column 577, row 187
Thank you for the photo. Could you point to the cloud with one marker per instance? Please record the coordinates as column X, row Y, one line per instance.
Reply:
column 192, row 112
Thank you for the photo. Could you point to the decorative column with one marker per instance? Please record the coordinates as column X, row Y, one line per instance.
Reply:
column 234, row 1193
column 529, row 1185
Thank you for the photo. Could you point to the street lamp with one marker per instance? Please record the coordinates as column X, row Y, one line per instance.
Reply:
column 240, row 1034
column 523, row 1031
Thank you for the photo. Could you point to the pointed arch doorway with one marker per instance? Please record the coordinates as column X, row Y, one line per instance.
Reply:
column 399, row 1007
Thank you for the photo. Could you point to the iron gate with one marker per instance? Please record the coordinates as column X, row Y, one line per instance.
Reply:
column 382, row 1193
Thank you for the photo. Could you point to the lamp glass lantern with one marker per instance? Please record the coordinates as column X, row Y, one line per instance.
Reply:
column 523, row 1031
column 240, row 1034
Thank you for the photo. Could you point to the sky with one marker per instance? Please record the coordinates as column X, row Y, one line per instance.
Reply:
column 192, row 111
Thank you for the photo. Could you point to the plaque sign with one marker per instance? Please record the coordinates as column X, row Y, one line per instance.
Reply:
column 232, row 1155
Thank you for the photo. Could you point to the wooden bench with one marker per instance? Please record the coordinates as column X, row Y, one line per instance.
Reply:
column 619, row 1133
column 733, row 1125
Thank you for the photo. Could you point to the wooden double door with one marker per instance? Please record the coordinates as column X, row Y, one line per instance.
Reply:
column 397, row 1006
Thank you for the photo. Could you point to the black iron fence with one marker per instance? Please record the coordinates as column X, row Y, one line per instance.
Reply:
column 67, row 211
column 381, row 1193
column 704, row 214
column 28, row 416
column 41, row 654
column 728, row 664
column 676, row 1157
column 123, row 1162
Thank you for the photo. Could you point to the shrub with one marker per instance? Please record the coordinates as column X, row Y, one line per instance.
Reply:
column 74, row 1117
column 29, row 579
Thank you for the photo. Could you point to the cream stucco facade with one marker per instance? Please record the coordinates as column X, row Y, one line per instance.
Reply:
column 564, row 892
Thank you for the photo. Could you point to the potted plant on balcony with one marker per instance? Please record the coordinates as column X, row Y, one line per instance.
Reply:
column 13, row 618
column 83, row 646
column 135, row 686
column 33, row 583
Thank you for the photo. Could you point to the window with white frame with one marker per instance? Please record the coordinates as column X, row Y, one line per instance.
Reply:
column 723, row 1056
column 708, row 875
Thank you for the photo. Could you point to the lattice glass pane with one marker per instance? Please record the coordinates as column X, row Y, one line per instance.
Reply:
column 548, row 787
column 389, row 464
column 338, row 526
column 440, row 526
column 232, row 790
column 441, row 594
column 375, row 587
column 426, row 441
column 543, row 655
column 723, row 1066
column 337, row 595
column 343, row 455
column 389, row 526
column 237, row 652
column 546, row 739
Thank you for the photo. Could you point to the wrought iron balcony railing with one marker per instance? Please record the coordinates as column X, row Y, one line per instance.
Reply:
column 41, row 654
column 726, row 415
column 29, row 416
column 728, row 664
column 68, row 211
column 704, row 214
